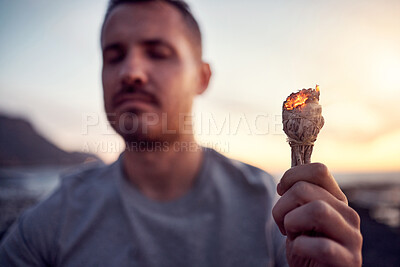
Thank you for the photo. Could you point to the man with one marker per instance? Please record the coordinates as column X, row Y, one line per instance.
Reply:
column 167, row 201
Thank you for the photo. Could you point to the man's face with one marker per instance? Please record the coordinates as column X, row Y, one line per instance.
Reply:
column 150, row 71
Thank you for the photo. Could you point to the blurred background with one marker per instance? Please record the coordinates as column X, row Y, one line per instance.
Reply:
column 51, row 106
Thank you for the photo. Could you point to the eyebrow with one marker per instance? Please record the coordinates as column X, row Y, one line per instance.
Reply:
column 155, row 42
column 111, row 47
column 150, row 42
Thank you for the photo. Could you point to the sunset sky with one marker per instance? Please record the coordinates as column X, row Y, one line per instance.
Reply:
column 260, row 52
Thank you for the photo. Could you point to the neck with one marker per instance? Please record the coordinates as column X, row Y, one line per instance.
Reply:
column 163, row 171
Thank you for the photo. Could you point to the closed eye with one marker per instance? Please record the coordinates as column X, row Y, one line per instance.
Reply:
column 157, row 49
column 113, row 53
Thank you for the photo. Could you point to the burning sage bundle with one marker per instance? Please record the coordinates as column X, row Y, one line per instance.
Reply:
column 302, row 121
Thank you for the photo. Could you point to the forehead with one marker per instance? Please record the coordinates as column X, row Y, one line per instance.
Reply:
column 139, row 21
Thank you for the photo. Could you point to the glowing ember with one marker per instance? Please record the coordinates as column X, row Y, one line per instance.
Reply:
column 299, row 99
column 302, row 120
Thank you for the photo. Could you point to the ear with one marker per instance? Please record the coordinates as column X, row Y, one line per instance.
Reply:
column 205, row 76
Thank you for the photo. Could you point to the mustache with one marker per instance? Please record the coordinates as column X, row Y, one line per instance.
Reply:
column 133, row 91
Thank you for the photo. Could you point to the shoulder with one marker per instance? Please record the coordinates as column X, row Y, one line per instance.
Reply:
column 80, row 190
column 76, row 186
column 88, row 181
column 241, row 172
column 38, row 231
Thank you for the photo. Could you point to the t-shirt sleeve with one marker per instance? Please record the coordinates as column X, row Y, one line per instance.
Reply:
column 16, row 250
column 32, row 239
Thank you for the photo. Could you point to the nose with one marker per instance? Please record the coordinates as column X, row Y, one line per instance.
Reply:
column 133, row 71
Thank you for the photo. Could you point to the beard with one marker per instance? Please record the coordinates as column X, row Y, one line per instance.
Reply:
column 146, row 129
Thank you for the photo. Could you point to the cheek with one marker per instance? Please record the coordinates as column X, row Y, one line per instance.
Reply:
column 179, row 80
column 179, row 91
column 107, row 81
column 107, row 77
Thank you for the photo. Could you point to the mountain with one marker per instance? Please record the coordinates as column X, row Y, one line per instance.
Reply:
column 22, row 145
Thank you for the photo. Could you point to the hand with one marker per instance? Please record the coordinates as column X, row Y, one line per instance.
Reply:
column 321, row 229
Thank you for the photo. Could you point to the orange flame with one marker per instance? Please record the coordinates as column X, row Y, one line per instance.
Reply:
column 299, row 99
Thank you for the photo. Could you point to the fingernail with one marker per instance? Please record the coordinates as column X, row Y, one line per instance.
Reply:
column 278, row 188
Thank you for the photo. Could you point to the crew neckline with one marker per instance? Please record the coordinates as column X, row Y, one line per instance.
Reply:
column 135, row 198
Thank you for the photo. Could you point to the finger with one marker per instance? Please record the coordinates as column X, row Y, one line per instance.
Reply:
column 320, row 217
column 303, row 192
column 325, row 251
column 315, row 173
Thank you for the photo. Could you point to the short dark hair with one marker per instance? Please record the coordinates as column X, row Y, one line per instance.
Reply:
column 181, row 6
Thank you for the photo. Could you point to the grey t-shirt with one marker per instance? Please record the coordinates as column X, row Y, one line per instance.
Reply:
column 97, row 218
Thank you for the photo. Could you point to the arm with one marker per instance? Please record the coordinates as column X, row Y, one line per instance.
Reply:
column 31, row 241
column 321, row 229
column 16, row 250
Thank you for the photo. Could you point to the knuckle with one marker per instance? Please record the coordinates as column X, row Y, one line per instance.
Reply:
column 358, row 239
column 327, row 250
column 320, row 209
column 355, row 218
column 320, row 169
column 300, row 189
column 355, row 239
column 357, row 260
